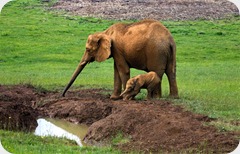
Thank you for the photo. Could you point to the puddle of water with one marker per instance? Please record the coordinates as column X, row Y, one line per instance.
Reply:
column 61, row 128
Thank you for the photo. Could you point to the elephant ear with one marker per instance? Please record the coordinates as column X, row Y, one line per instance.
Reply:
column 104, row 49
column 136, row 83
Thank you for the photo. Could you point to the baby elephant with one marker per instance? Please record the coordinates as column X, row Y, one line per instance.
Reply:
column 149, row 81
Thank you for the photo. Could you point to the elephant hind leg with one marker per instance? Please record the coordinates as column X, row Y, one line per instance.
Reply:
column 158, row 64
column 158, row 90
column 149, row 94
column 171, row 75
column 154, row 92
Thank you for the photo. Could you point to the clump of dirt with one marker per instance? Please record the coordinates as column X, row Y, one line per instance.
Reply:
column 151, row 126
column 16, row 112
column 154, row 9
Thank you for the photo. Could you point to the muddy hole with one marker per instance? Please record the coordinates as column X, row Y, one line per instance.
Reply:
column 62, row 129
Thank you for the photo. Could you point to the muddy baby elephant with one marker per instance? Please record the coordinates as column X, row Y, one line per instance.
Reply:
column 149, row 81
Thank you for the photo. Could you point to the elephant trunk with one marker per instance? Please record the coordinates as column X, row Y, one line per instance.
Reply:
column 124, row 92
column 78, row 70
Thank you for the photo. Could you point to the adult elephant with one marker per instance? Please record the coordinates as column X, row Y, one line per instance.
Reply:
column 145, row 45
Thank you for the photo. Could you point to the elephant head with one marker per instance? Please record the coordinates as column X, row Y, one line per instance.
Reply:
column 132, row 89
column 98, row 48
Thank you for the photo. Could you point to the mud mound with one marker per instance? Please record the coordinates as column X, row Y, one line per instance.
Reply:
column 151, row 125
column 160, row 126
column 18, row 93
column 155, row 9
column 16, row 116
column 156, row 126
column 16, row 112
column 85, row 106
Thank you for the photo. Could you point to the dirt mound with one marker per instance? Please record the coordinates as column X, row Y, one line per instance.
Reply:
column 160, row 126
column 85, row 106
column 155, row 9
column 156, row 126
column 151, row 125
column 16, row 112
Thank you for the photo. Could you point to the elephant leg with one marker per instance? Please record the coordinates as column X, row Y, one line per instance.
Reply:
column 160, row 75
column 133, row 94
column 124, row 73
column 156, row 92
column 171, row 75
column 117, row 84
column 125, row 76
column 158, row 64
column 153, row 92
column 128, row 97
column 149, row 94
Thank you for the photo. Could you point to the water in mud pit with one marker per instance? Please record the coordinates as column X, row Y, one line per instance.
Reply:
column 61, row 128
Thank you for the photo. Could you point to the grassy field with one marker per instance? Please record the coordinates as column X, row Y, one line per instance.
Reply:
column 26, row 143
column 43, row 48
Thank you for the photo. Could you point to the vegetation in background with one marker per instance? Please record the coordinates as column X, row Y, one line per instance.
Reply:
column 43, row 48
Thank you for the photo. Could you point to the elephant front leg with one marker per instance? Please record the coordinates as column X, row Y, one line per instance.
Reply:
column 117, row 85
column 121, row 76
column 131, row 95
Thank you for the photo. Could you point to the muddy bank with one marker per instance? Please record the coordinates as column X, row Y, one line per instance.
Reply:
column 16, row 112
column 154, row 126
column 154, row 9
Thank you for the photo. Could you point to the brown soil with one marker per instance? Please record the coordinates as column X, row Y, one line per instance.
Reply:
column 154, row 9
column 154, row 126
column 16, row 112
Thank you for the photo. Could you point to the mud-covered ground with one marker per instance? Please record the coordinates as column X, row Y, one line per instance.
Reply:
column 155, row 126
column 154, row 9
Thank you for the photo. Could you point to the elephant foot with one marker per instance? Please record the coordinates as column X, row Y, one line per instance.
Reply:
column 115, row 97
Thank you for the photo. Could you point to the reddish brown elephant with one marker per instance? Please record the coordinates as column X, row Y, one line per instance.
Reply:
column 145, row 45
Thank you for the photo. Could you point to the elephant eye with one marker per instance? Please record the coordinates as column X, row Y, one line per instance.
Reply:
column 88, row 50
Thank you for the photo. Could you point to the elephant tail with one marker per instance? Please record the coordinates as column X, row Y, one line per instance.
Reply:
column 173, row 56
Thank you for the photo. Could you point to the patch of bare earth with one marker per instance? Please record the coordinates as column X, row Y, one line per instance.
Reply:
column 156, row 126
column 154, row 9
column 16, row 112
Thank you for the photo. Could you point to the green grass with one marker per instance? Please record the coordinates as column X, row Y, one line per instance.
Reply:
column 43, row 48
column 208, row 66
column 35, row 42
column 120, row 139
column 26, row 143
